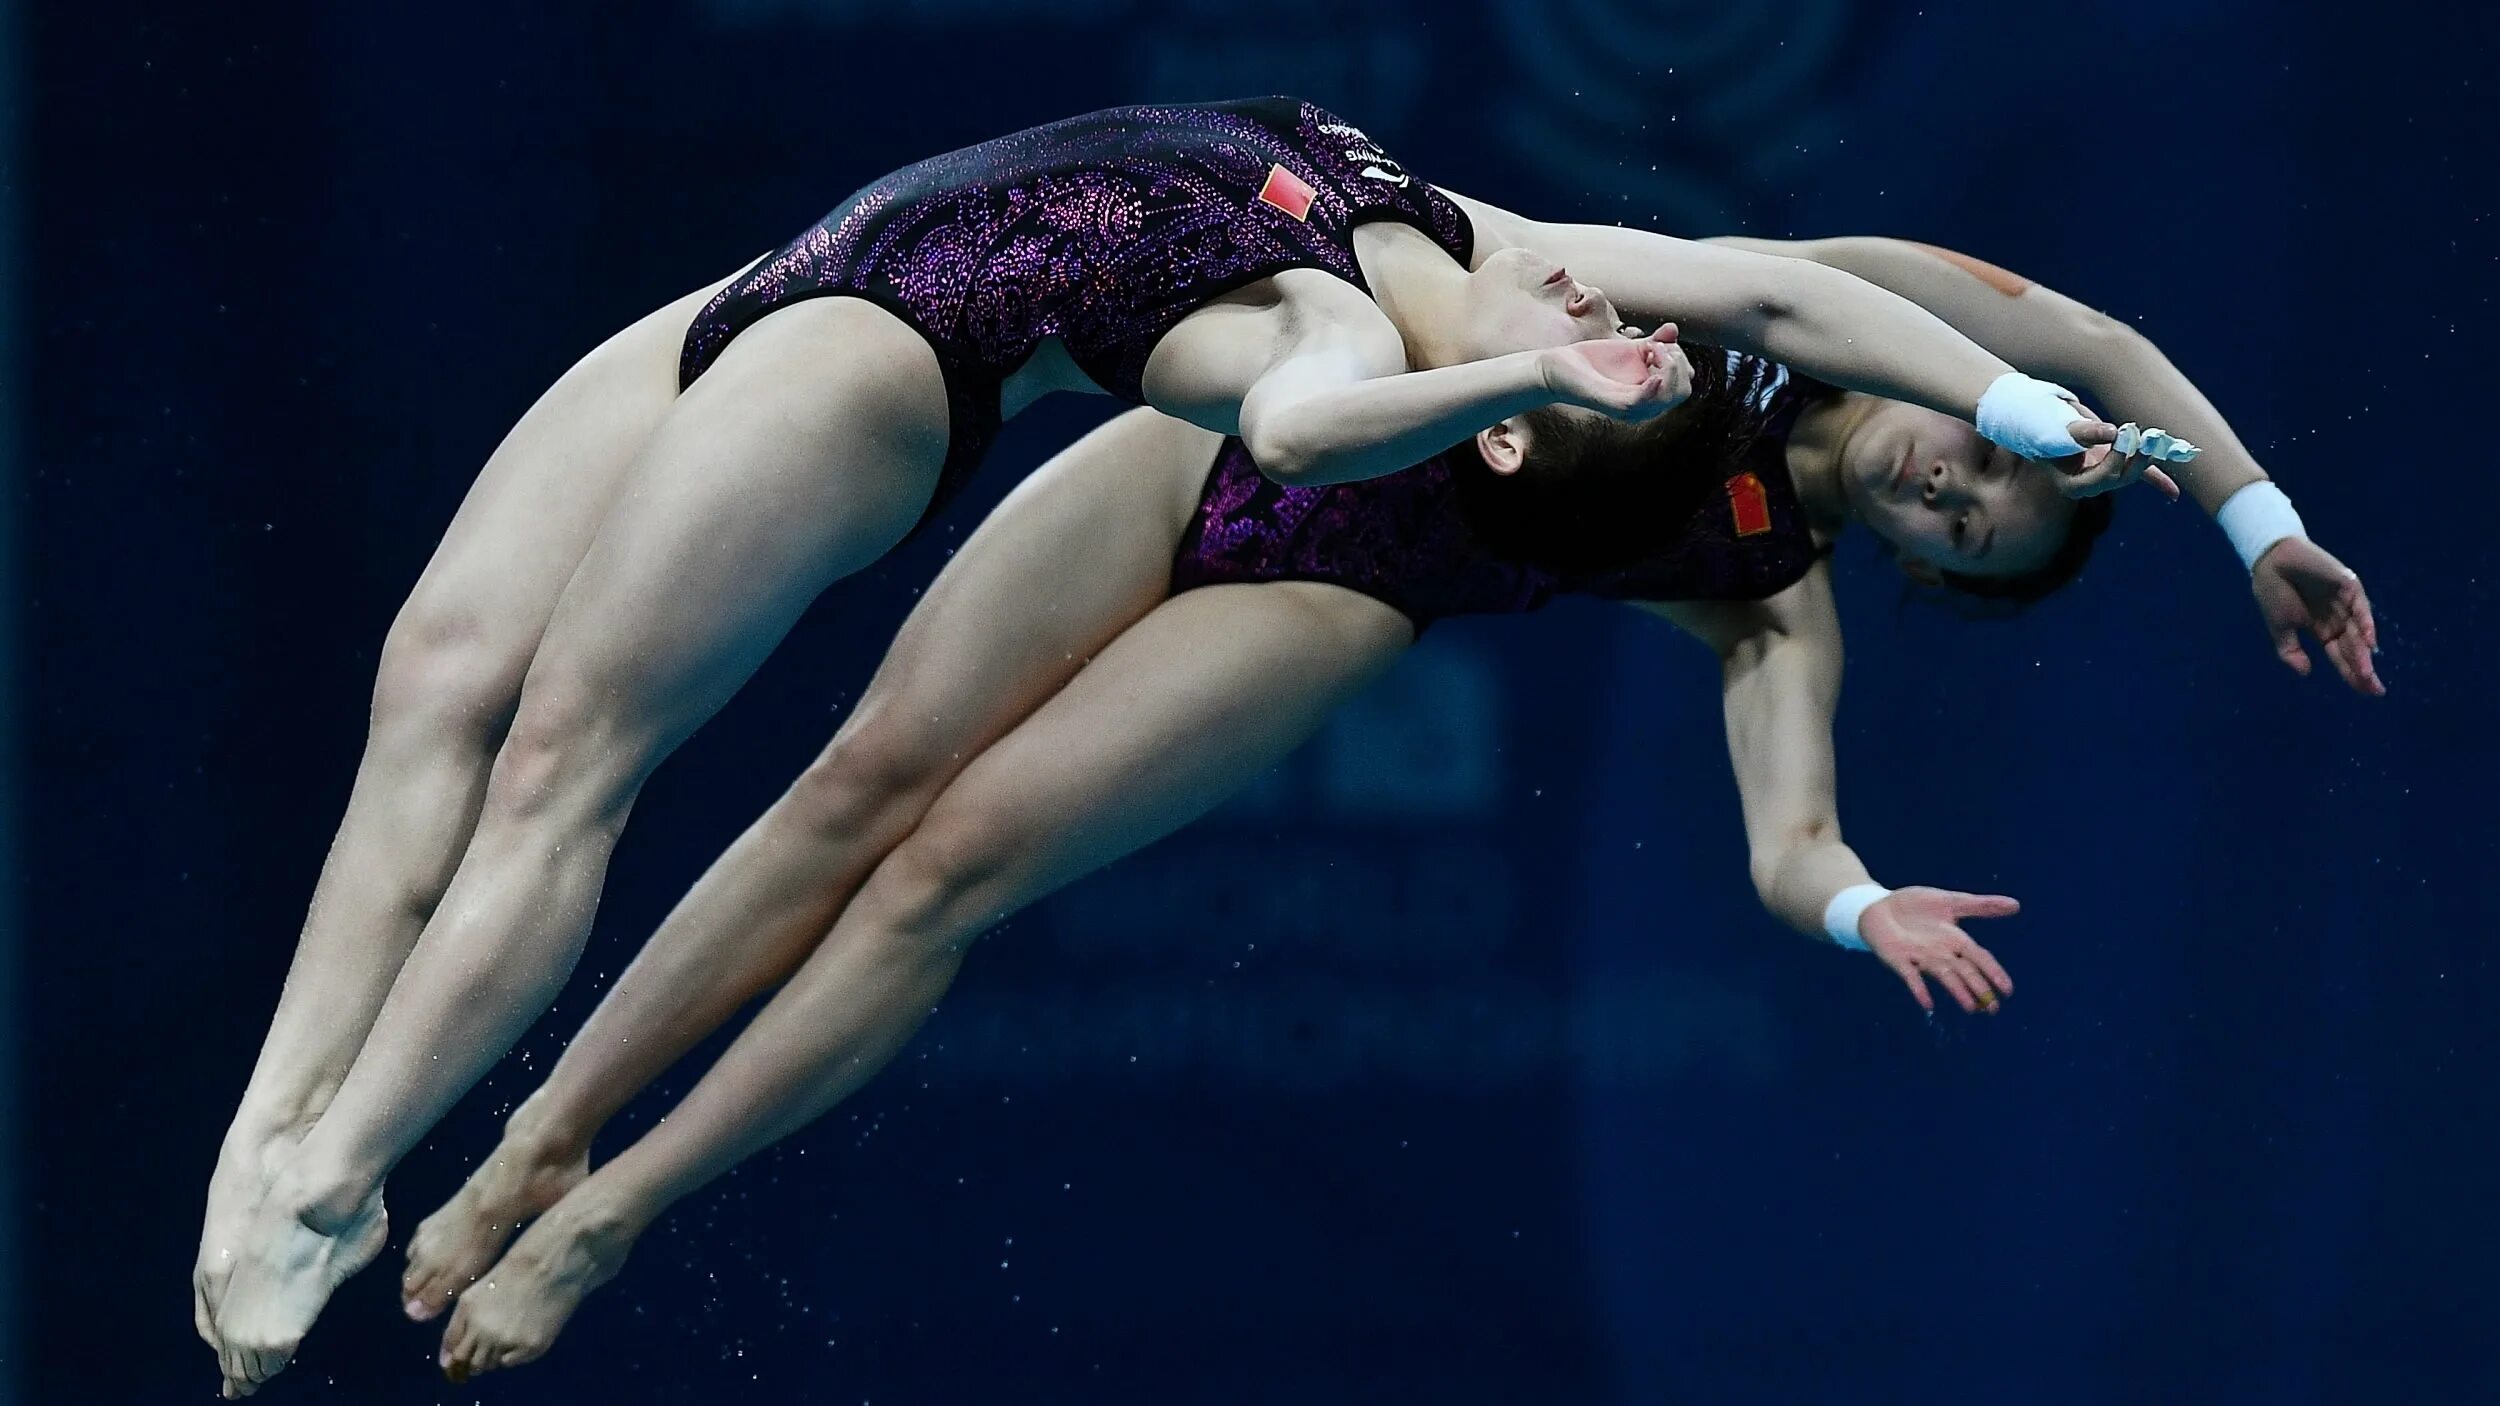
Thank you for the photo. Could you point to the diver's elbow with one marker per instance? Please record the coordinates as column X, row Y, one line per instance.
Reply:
column 1281, row 456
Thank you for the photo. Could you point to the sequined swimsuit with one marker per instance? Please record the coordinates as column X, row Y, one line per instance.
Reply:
column 1400, row 538
column 1103, row 230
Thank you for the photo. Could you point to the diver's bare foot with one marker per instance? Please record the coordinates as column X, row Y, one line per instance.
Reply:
column 513, row 1313
column 453, row 1246
column 294, row 1256
column 246, row 1165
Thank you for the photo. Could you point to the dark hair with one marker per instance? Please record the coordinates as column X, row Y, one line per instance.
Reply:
column 1997, row 597
column 1593, row 495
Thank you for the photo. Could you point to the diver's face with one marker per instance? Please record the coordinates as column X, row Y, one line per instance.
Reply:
column 1518, row 300
column 1948, row 500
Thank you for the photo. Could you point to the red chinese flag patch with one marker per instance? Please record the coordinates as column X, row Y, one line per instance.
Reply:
column 1288, row 192
column 1750, row 504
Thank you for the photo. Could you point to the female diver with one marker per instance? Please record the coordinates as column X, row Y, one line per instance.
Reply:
column 654, row 524
column 1147, row 622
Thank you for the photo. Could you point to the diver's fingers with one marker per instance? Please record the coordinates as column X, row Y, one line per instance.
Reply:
column 2082, row 476
column 1982, row 989
column 1985, row 905
column 1918, row 989
column 1989, row 967
column 2287, row 648
column 2351, row 658
column 1678, row 370
column 2361, row 611
column 1948, row 974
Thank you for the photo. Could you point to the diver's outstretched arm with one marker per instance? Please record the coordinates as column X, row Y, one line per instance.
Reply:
column 1780, row 664
column 1823, row 321
column 2049, row 335
column 2298, row 585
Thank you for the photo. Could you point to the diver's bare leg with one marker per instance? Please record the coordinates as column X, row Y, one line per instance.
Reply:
column 450, row 673
column 1080, row 551
column 1191, row 702
column 803, row 454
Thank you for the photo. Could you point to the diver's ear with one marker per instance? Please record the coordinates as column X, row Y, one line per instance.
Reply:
column 1919, row 571
column 1504, row 446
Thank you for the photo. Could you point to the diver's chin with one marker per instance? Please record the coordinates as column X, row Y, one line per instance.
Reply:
column 1860, row 491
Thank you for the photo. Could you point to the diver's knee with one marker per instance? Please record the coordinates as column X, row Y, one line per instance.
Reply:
column 946, row 883
column 444, row 675
column 571, row 748
column 877, row 777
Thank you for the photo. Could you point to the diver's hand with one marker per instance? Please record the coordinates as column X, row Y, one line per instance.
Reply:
column 2299, row 586
column 1918, row 933
column 1629, row 378
column 2096, row 470
column 2102, row 469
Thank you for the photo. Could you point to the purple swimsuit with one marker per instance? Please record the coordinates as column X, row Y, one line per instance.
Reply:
column 1103, row 230
column 1400, row 539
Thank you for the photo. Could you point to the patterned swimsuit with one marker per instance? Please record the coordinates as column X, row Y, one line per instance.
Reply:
column 1400, row 538
column 1103, row 230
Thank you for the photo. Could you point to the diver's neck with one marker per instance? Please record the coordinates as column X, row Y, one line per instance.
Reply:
column 1419, row 288
column 1817, row 448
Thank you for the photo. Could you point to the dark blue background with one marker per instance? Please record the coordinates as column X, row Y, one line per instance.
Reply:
column 1464, row 1066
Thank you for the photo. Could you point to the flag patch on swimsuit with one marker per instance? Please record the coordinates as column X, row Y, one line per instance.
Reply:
column 1288, row 192
column 1750, row 504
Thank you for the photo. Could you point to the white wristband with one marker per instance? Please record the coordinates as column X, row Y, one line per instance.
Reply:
column 1840, row 916
column 2029, row 416
column 2255, row 518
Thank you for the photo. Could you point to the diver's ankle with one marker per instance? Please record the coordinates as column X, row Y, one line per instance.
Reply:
column 538, row 1131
